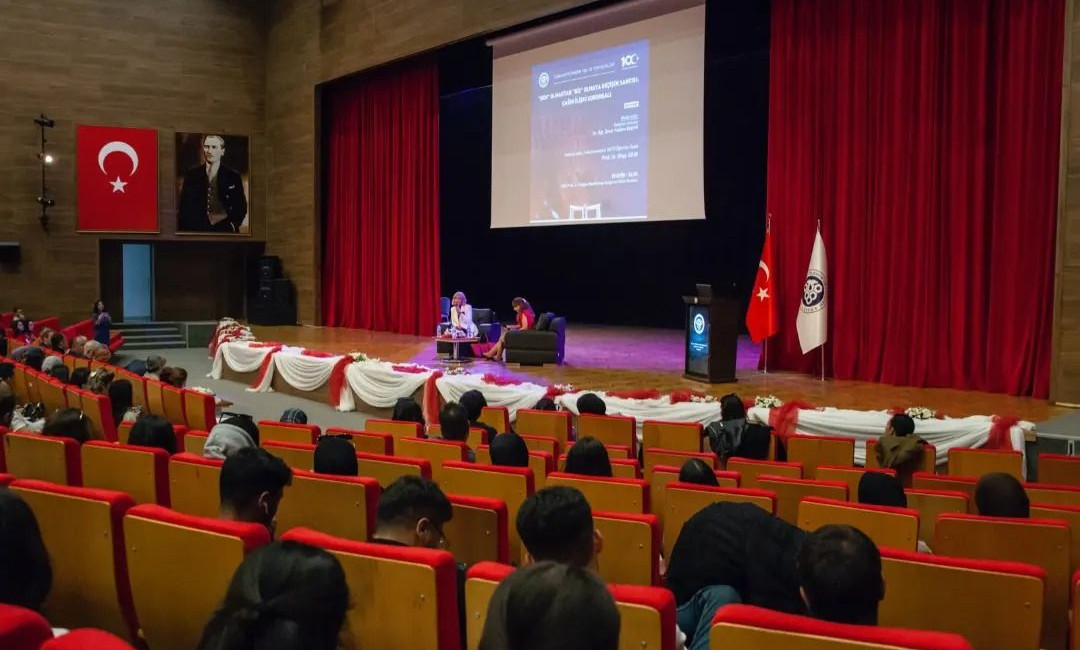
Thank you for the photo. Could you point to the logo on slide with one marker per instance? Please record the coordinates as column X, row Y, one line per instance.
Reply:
column 699, row 324
column 630, row 60
column 544, row 80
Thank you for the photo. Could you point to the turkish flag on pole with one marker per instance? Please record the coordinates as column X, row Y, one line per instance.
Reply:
column 761, row 317
column 117, row 179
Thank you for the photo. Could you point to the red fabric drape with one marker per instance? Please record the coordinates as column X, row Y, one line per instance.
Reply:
column 924, row 135
column 381, row 247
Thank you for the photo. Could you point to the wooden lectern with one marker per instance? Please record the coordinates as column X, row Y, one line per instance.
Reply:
column 712, row 334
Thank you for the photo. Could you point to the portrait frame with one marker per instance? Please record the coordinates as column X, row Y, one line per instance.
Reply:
column 218, row 206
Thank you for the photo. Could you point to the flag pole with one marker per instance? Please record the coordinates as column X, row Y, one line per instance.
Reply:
column 765, row 350
column 823, row 344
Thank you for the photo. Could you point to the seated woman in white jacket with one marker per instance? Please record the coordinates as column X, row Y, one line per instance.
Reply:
column 461, row 320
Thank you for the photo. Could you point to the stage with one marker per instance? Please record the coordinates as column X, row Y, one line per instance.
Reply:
column 621, row 358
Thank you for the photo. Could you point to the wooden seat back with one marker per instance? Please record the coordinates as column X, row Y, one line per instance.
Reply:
column 479, row 530
column 368, row 442
column 673, row 458
column 98, row 409
column 193, row 485
column 387, row 469
column 83, row 530
column 547, row 424
column 194, row 441
column 974, row 463
column 684, row 500
column 172, row 401
column 434, row 451
column 750, row 470
column 607, row 494
column 892, row 527
column 620, row 467
column 1059, row 469
column 675, row 436
column 200, row 411
column 46, row 458
column 646, row 617
column 745, row 626
column 814, row 451
column 304, row 434
column 663, row 475
column 1043, row 542
column 511, row 485
column 931, row 503
column 496, row 417
column 948, row 594
column 540, row 462
column 849, row 475
column 477, row 435
column 155, row 400
column 632, row 557
column 424, row 578
column 481, row 581
column 940, row 482
column 397, row 429
column 1063, row 495
column 52, row 396
column 180, row 567
column 1070, row 515
column 295, row 455
column 343, row 506
column 142, row 472
column 608, row 429
column 790, row 491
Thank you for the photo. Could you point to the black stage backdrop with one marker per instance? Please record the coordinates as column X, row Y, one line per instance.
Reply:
column 620, row 274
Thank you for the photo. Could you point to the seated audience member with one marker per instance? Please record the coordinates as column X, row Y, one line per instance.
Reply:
column 68, row 423
column 121, row 398
column 840, row 575
column 556, row 525
column 44, row 338
column 730, row 553
column 21, row 326
column 545, row 404
column 230, row 436
column 154, row 365
column 96, row 351
column 293, row 416
column 7, row 374
column 33, row 358
column 283, row 596
column 252, row 485
column 474, row 403
column 173, row 376
column 697, row 471
column 99, row 381
column 412, row 512
column 50, row 362
column 880, row 489
column 407, row 410
column 525, row 320
column 336, row 456
column 153, row 431
column 78, row 347
column 13, row 419
column 591, row 404
column 60, row 373
column 57, row 343
column 454, row 423
column 899, row 448
column 509, row 450
column 1000, row 495
column 549, row 605
column 734, row 436
column 588, row 457
column 79, row 377
column 25, row 571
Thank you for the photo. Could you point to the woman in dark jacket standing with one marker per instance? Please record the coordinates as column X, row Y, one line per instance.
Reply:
column 102, row 321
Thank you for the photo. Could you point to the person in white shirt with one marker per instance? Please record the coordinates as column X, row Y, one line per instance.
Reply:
column 461, row 319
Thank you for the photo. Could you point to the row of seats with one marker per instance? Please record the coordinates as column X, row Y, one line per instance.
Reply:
column 122, row 567
column 24, row 629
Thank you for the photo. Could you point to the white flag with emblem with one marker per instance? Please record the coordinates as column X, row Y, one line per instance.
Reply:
column 813, row 319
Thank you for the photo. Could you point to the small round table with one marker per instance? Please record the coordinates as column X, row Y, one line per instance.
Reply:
column 455, row 352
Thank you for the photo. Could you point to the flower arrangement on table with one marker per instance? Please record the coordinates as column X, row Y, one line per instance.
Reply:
column 920, row 413
column 555, row 390
column 360, row 357
column 693, row 396
column 456, row 371
column 230, row 330
column 768, row 402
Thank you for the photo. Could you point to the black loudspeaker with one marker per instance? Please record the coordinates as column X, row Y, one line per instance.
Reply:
column 269, row 313
column 10, row 252
column 266, row 293
column 281, row 291
column 269, row 268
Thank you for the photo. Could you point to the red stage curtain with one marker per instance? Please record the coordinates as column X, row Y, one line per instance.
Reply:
column 381, row 246
column 924, row 134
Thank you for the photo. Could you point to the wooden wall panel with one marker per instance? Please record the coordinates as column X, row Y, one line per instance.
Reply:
column 195, row 65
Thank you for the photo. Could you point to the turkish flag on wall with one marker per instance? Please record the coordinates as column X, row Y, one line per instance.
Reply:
column 761, row 317
column 117, row 178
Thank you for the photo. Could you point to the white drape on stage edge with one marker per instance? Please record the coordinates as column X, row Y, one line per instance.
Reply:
column 308, row 373
column 944, row 434
column 264, row 384
column 238, row 357
column 380, row 386
column 513, row 397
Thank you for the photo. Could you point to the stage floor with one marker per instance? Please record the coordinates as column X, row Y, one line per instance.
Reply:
column 608, row 358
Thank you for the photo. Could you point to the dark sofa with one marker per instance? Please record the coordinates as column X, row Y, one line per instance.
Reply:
column 544, row 344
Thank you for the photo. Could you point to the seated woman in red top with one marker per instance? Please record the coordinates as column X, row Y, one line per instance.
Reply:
column 526, row 319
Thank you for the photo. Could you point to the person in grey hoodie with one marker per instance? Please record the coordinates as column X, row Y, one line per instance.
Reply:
column 227, row 437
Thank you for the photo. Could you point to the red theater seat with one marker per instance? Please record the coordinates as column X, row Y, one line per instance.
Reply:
column 745, row 626
column 22, row 629
column 424, row 578
column 87, row 640
column 647, row 616
column 271, row 431
column 45, row 458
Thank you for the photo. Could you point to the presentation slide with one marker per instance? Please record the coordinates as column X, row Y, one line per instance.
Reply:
column 600, row 120
column 590, row 145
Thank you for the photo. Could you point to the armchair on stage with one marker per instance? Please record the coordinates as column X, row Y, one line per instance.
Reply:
column 544, row 344
column 486, row 322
